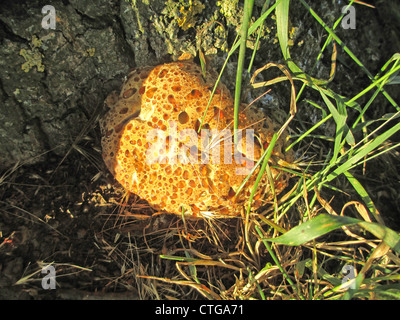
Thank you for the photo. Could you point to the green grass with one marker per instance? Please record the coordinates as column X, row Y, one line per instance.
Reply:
column 354, row 144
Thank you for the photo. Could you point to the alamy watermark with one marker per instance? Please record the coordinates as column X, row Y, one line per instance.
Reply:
column 49, row 280
column 349, row 20
column 49, row 20
column 172, row 147
column 349, row 276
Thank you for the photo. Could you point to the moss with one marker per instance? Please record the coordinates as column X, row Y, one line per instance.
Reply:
column 184, row 11
column 36, row 42
column 90, row 52
column 230, row 10
column 293, row 33
column 188, row 14
column 33, row 57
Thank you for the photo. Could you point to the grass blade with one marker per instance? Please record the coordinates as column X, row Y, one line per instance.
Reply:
column 248, row 8
column 324, row 223
column 363, row 151
column 349, row 52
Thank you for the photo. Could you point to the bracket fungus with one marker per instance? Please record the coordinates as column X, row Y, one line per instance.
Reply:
column 157, row 144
